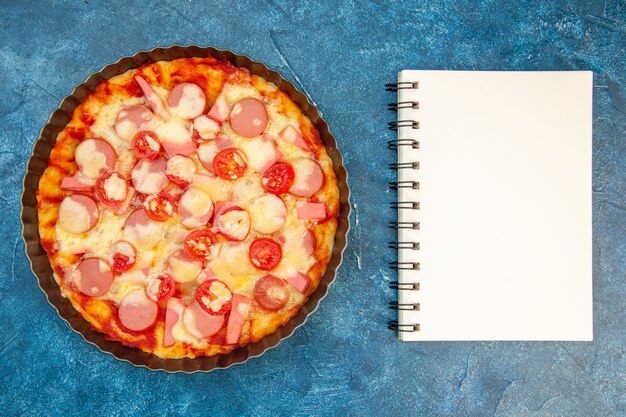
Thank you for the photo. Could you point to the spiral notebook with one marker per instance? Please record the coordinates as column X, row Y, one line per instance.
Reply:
column 494, row 205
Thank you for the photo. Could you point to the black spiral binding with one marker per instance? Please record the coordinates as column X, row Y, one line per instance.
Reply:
column 403, row 205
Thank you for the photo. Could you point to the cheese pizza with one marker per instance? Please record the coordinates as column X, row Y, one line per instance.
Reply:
column 188, row 208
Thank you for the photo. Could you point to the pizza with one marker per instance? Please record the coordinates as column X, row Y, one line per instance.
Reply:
column 188, row 208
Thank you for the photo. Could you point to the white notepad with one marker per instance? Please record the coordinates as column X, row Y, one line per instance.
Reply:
column 503, row 214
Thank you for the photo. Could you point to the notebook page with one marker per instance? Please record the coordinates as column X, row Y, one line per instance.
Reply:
column 505, row 205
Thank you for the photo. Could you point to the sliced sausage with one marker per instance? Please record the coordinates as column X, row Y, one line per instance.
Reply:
column 137, row 312
column 180, row 170
column 261, row 153
column 78, row 213
column 291, row 135
column 248, row 117
column 311, row 211
column 153, row 98
column 187, row 100
column 195, row 208
column 94, row 277
column 233, row 222
column 141, row 230
column 268, row 213
column 309, row 177
column 175, row 138
column 173, row 314
column 76, row 183
column 199, row 323
column 219, row 111
column 94, row 157
column 206, row 128
column 149, row 176
column 300, row 282
column 207, row 151
column 238, row 315
column 131, row 120
column 183, row 267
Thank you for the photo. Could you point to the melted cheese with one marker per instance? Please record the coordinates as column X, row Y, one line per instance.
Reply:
column 173, row 130
column 115, row 188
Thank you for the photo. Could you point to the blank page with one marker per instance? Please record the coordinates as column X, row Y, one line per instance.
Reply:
column 504, row 205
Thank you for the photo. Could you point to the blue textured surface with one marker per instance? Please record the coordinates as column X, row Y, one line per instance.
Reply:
column 343, row 361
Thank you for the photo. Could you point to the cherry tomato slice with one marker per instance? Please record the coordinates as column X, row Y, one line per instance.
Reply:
column 122, row 256
column 271, row 293
column 146, row 145
column 265, row 254
column 278, row 178
column 199, row 244
column 230, row 164
column 159, row 207
column 214, row 297
column 160, row 288
column 111, row 188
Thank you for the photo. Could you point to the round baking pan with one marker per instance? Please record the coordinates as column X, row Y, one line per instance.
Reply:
column 39, row 259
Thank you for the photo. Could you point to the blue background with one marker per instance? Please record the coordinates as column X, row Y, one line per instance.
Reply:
column 343, row 361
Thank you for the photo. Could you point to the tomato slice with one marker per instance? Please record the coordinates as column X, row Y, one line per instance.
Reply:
column 214, row 297
column 146, row 145
column 111, row 188
column 122, row 256
column 265, row 254
column 159, row 207
column 278, row 178
column 199, row 244
column 160, row 288
column 230, row 164
column 271, row 293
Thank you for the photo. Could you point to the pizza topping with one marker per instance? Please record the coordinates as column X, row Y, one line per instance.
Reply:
column 207, row 151
column 175, row 138
column 78, row 214
column 94, row 277
column 137, row 312
column 152, row 97
column 291, row 135
column 195, row 208
column 200, row 245
column 180, row 170
column 159, row 207
column 265, row 254
column 141, row 230
column 111, row 188
column 132, row 119
column 206, row 128
column 199, row 323
column 122, row 256
column 308, row 179
column 278, row 178
column 268, row 213
column 311, row 211
column 233, row 222
column 161, row 288
column 300, row 282
column 219, row 111
column 149, row 176
column 248, row 118
column 173, row 314
column 230, row 164
column 183, row 267
column 146, row 145
column 77, row 183
column 261, row 153
column 95, row 157
column 214, row 297
column 239, row 313
column 187, row 100
column 271, row 293
column 308, row 242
